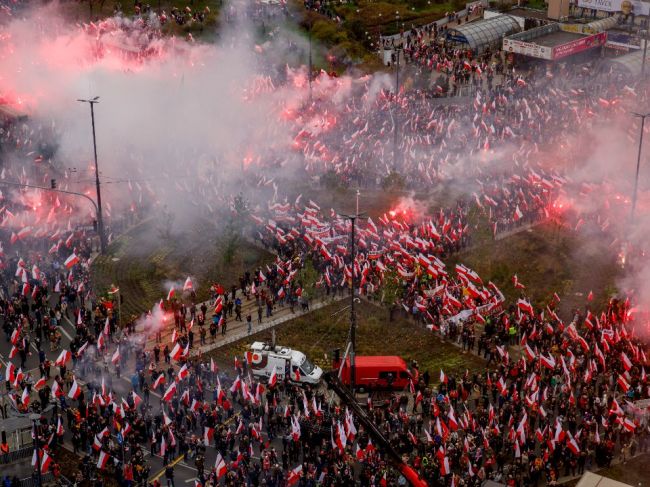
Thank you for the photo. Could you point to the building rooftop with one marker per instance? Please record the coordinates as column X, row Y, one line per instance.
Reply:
column 556, row 38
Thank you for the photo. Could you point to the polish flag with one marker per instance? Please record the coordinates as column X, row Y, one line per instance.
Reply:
column 176, row 352
column 56, row 390
column 97, row 444
column 25, row 397
column 548, row 362
column 207, row 435
column 136, row 400
column 116, row 356
column 273, row 380
column 174, row 336
column 443, row 377
column 627, row 363
column 629, row 425
column 518, row 214
column 160, row 380
column 63, row 358
column 183, row 372
column 171, row 293
column 71, row 261
column 163, row 446
column 213, row 366
column 75, row 390
column 220, row 466
column 169, row 393
column 46, row 461
column 623, row 383
column 572, row 444
column 294, row 476
column 188, row 286
column 40, row 383
column 59, row 427
column 525, row 306
column 529, row 352
column 82, row 349
column 445, row 469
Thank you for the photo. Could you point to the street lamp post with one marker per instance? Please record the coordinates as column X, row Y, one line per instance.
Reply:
column 645, row 51
column 353, row 314
column 642, row 116
column 100, row 218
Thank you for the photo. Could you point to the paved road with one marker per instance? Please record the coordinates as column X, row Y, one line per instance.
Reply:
column 122, row 387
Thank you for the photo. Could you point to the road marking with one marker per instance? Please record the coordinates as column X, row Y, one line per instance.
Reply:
column 190, row 480
column 162, row 471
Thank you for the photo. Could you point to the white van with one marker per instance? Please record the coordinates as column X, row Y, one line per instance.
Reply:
column 263, row 359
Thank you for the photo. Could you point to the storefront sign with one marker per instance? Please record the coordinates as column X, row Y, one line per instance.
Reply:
column 527, row 48
column 579, row 45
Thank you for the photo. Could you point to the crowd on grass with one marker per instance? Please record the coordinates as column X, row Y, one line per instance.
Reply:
column 557, row 396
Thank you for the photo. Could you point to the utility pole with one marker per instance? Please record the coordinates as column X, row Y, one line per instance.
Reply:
column 642, row 116
column 358, row 194
column 353, row 313
column 100, row 218
column 645, row 51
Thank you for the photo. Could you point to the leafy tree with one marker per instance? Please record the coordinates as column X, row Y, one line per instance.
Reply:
column 394, row 181
column 308, row 277
column 392, row 288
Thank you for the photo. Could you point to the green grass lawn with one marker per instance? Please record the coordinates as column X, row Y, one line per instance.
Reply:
column 546, row 259
column 321, row 331
column 139, row 263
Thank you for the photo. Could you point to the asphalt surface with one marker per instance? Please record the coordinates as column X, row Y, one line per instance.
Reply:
column 185, row 471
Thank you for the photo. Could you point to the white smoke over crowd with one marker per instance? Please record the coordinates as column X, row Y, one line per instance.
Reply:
column 180, row 126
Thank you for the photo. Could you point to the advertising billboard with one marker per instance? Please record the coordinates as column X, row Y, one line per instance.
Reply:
column 637, row 7
column 579, row 45
column 527, row 48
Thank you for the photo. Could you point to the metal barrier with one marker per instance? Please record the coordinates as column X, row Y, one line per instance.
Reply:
column 15, row 455
column 33, row 482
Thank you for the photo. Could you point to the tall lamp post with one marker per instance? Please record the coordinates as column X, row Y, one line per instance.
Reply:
column 353, row 314
column 645, row 51
column 100, row 218
column 642, row 116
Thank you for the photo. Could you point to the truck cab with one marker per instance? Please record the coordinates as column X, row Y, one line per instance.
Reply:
column 264, row 359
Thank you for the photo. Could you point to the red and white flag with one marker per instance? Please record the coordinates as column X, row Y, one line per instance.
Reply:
column 116, row 356
column 46, row 461
column 445, row 468
column 188, row 286
column 71, row 261
column 294, row 476
column 169, row 393
column 75, row 390
column 220, row 466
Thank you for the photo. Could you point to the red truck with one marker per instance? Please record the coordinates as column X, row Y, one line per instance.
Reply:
column 375, row 373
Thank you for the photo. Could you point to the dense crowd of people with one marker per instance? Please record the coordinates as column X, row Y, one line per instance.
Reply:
column 557, row 396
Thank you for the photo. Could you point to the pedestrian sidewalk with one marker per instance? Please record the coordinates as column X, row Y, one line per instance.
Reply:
column 236, row 330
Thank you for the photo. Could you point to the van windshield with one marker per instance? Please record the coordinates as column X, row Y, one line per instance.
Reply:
column 306, row 366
